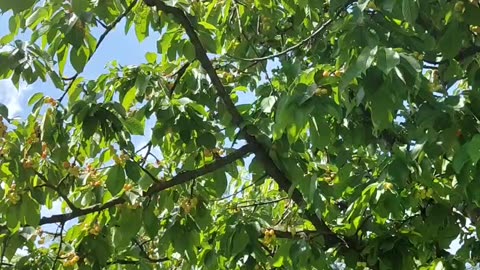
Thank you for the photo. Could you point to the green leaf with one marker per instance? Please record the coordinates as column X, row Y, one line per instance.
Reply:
column 115, row 179
column 89, row 126
column 129, row 223
column 473, row 148
column 189, row 51
column 446, row 43
column 206, row 140
column 387, row 59
column 282, row 254
column 78, row 58
column 472, row 15
column 320, row 132
column 133, row 170
column 410, row 10
column 48, row 126
column 12, row 216
column 363, row 62
column 34, row 98
column 208, row 26
column 268, row 103
column 129, row 98
column 151, row 57
column 57, row 81
column 39, row 14
column 240, row 240
column 30, row 210
column 381, row 107
column 17, row 7
column 134, row 126
column 150, row 220
column 141, row 23
column 141, row 83
column 208, row 42
column 3, row 110
column 460, row 158
column 220, row 182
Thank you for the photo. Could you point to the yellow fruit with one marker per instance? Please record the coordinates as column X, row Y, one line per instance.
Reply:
column 66, row 165
column 338, row 73
column 194, row 202
column 127, row 187
column 322, row 92
column 75, row 259
column 326, row 74
column 28, row 163
column 75, row 171
column 388, row 186
column 95, row 230
column 459, row 7
column 207, row 153
column 475, row 29
column 371, row 5
column 117, row 160
column 228, row 78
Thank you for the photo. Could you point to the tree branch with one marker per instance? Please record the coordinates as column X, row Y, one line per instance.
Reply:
column 320, row 29
column 239, row 205
column 100, row 40
column 57, row 190
column 190, row 175
column 259, row 149
column 57, row 257
column 155, row 188
column 145, row 254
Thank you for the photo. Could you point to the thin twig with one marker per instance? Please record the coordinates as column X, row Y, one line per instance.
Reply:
column 101, row 23
column 145, row 254
column 179, row 75
column 316, row 32
column 59, row 245
column 57, row 190
column 244, row 188
column 261, row 203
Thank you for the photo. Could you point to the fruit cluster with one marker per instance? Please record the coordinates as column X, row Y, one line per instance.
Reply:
column 13, row 197
column 189, row 204
column 269, row 236
column 72, row 260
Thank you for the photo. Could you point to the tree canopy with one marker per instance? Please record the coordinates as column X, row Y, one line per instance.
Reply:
column 285, row 134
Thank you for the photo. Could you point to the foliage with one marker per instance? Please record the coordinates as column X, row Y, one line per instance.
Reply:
column 360, row 147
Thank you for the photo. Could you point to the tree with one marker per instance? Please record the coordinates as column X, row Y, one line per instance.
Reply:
column 359, row 148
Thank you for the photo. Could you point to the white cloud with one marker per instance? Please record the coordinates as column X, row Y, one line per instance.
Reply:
column 14, row 99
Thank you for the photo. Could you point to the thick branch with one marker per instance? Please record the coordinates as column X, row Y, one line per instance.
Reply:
column 108, row 28
column 155, row 188
column 260, row 151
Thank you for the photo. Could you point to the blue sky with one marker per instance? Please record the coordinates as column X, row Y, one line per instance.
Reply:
column 117, row 46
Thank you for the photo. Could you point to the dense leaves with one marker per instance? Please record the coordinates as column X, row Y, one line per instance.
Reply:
column 290, row 134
